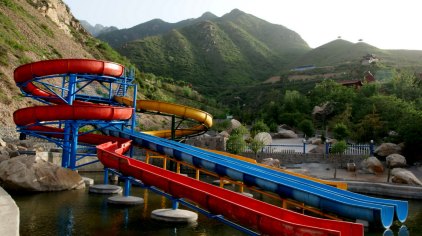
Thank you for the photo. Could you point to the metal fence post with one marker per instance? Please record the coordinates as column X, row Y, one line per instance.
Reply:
column 304, row 146
column 371, row 148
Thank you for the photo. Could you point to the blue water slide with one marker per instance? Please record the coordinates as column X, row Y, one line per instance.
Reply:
column 326, row 198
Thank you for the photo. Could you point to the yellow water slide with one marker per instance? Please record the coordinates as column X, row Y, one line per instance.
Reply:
column 205, row 121
column 166, row 108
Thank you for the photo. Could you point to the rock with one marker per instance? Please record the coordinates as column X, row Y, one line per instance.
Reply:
column 4, row 157
column 2, row 143
column 14, row 154
column 264, row 137
column 403, row 176
column 395, row 160
column 12, row 147
column 285, row 134
column 234, row 124
column 315, row 141
column 320, row 149
column 372, row 165
column 271, row 162
column 29, row 173
column 224, row 134
column 283, row 127
column 386, row 149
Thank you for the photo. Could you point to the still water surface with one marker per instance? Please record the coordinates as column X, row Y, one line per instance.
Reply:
column 80, row 213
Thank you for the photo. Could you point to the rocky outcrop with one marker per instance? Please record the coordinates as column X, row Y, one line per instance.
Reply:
column 386, row 149
column 285, row 134
column 264, row 137
column 59, row 13
column 395, row 160
column 403, row 176
column 209, row 142
column 372, row 165
column 30, row 173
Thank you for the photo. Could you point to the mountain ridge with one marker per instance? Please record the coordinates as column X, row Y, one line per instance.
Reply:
column 237, row 48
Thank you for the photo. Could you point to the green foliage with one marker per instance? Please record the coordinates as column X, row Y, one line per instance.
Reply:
column 47, row 30
column 340, row 131
column 221, row 125
column 241, row 131
column 259, row 126
column 339, row 147
column 215, row 55
column 255, row 146
column 235, row 144
column 307, row 127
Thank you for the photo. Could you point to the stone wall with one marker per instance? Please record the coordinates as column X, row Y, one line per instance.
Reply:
column 298, row 158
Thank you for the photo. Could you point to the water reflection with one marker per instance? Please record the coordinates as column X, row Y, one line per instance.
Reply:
column 65, row 221
column 80, row 213
column 403, row 231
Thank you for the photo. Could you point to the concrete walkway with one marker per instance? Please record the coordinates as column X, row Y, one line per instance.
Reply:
column 363, row 182
column 9, row 215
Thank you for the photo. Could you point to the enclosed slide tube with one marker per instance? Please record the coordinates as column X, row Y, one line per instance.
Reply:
column 263, row 217
column 326, row 198
column 35, row 118
column 203, row 118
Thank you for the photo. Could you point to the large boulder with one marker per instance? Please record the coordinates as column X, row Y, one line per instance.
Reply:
column 386, row 149
column 264, row 137
column 395, row 160
column 31, row 173
column 234, row 124
column 285, row 134
column 372, row 165
column 271, row 162
column 403, row 176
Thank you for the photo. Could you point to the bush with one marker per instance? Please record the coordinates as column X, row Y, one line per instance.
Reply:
column 307, row 128
column 341, row 131
column 258, row 127
column 235, row 144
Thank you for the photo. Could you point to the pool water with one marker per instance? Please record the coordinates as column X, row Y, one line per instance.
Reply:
column 78, row 212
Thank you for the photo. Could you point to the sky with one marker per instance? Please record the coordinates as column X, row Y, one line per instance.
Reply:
column 386, row 24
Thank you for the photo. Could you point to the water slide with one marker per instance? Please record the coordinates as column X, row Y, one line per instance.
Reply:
column 205, row 121
column 203, row 118
column 326, row 198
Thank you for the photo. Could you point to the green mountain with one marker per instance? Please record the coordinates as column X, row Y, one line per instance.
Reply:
column 213, row 53
column 151, row 28
column 45, row 29
column 340, row 52
column 96, row 29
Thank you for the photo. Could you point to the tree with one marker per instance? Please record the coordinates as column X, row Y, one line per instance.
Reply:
column 255, row 145
column 307, row 128
column 338, row 148
column 235, row 144
column 341, row 131
column 259, row 126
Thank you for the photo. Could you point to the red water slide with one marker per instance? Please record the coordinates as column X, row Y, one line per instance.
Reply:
column 25, row 74
column 261, row 216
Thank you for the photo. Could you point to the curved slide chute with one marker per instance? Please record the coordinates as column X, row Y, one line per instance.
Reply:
column 203, row 118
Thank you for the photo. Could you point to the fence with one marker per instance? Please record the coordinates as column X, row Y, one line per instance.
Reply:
column 352, row 149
